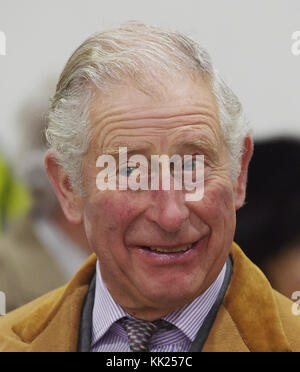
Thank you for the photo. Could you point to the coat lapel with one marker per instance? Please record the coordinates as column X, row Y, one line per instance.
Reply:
column 224, row 335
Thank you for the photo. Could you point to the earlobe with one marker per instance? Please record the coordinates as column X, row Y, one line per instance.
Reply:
column 240, row 191
column 69, row 199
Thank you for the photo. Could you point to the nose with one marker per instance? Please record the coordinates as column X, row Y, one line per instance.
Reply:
column 168, row 210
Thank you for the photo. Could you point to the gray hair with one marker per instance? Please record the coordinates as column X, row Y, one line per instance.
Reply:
column 135, row 51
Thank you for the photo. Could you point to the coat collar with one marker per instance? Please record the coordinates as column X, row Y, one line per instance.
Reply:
column 53, row 325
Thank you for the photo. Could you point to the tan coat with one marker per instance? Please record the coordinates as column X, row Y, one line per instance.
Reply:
column 253, row 317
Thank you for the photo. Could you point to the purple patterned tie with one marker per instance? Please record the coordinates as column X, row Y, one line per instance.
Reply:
column 140, row 332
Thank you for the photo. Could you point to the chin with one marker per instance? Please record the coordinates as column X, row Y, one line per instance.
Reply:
column 174, row 294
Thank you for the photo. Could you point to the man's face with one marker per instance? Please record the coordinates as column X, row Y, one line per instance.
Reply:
column 122, row 225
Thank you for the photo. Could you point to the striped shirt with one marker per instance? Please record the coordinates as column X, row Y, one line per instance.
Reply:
column 110, row 336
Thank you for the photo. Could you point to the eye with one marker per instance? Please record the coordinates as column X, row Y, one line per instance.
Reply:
column 190, row 165
column 126, row 172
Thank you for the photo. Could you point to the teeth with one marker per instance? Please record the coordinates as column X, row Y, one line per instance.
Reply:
column 181, row 248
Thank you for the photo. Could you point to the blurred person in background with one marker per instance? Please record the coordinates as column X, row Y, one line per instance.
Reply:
column 42, row 250
column 268, row 226
column 14, row 197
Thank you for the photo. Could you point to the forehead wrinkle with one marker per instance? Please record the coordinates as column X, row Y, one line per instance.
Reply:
column 129, row 128
column 210, row 132
column 129, row 118
column 159, row 113
column 121, row 138
column 127, row 114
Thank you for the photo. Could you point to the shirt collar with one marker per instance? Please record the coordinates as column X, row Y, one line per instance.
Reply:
column 188, row 319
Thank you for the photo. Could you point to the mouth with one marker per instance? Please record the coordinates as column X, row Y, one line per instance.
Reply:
column 180, row 254
column 170, row 249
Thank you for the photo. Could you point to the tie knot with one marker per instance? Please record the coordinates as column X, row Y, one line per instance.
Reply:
column 140, row 332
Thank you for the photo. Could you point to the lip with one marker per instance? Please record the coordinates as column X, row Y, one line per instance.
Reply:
column 167, row 257
column 165, row 245
column 169, row 246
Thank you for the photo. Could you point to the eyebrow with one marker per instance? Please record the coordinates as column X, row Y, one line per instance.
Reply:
column 115, row 149
column 201, row 145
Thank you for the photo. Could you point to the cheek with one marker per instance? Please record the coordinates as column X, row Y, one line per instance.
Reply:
column 217, row 203
column 219, row 200
column 111, row 211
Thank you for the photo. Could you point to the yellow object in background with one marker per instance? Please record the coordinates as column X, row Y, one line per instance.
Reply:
column 15, row 199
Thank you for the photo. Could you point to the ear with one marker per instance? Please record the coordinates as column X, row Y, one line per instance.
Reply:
column 70, row 200
column 240, row 190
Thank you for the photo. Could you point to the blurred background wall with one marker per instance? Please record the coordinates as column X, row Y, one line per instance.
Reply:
column 250, row 42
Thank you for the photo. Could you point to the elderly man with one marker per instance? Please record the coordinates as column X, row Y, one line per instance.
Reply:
column 166, row 275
